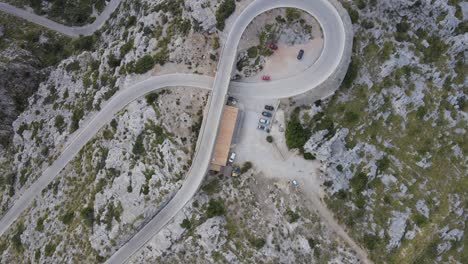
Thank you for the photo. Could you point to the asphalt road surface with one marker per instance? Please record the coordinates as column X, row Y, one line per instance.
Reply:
column 335, row 42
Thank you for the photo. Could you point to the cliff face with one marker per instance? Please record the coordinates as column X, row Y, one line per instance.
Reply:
column 19, row 79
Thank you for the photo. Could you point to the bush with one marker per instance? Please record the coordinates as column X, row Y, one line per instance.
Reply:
column 370, row 241
column 87, row 214
column 59, row 123
column 67, row 218
column 312, row 243
column 293, row 216
column 352, row 73
column 382, row 164
column 215, row 208
column 186, row 224
column 269, row 139
column 73, row 66
column 246, row 166
column 144, row 64
column 309, row 156
column 113, row 60
column 78, row 113
column 125, row 48
column 252, row 52
column 296, row 134
column 212, row 187
column 292, row 14
column 351, row 117
column 49, row 249
column 359, row 182
column 16, row 238
column 419, row 219
column 339, row 167
column 138, row 147
column 435, row 50
column 161, row 57
column 225, row 10
column 258, row 243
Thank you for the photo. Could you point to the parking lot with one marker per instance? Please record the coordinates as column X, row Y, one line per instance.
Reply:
column 273, row 160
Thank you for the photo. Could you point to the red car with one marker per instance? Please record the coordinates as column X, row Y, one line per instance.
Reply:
column 273, row 46
column 266, row 77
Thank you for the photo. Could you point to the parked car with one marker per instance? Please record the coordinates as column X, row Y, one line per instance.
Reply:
column 266, row 114
column 232, row 100
column 264, row 128
column 273, row 46
column 232, row 157
column 264, row 121
column 269, row 108
column 300, row 55
column 236, row 77
column 266, row 77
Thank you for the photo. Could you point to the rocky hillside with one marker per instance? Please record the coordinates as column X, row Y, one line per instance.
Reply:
column 136, row 163
column 393, row 138
column 249, row 219
column 27, row 52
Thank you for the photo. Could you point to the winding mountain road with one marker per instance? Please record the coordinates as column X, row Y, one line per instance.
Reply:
column 335, row 54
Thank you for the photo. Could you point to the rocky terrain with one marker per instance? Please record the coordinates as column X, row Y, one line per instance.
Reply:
column 392, row 139
column 27, row 53
column 250, row 219
column 122, row 53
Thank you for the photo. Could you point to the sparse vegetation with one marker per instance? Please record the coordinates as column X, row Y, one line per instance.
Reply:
column 224, row 11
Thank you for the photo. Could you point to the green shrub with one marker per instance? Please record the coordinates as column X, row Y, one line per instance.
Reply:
column 87, row 214
column 113, row 60
column 371, row 241
column 309, row 156
column 269, row 139
column 258, row 243
column 296, row 134
column 383, row 164
column 352, row 73
column 293, row 216
column 212, row 187
column 67, row 218
column 215, row 208
column 144, row 64
column 419, row 219
column 246, row 166
column 359, row 182
column 186, row 224
column 73, row 66
column 16, row 238
column 77, row 115
column 339, row 167
column 252, row 52
column 435, row 50
column 49, row 249
column 161, row 57
column 59, row 123
column 312, row 243
column 138, row 147
column 224, row 11
column 292, row 14
column 125, row 48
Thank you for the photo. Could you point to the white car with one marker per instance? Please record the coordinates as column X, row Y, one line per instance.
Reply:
column 232, row 157
column 264, row 121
